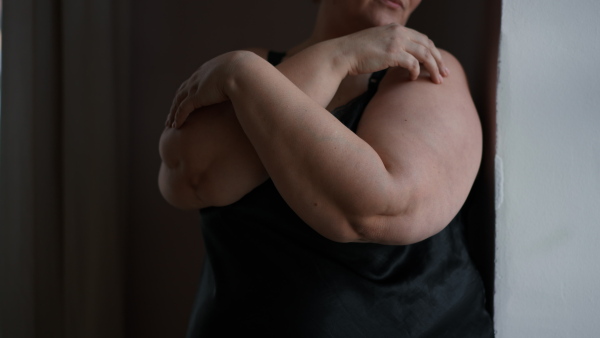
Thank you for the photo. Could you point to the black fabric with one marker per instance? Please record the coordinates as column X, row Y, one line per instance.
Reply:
column 275, row 58
column 268, row 274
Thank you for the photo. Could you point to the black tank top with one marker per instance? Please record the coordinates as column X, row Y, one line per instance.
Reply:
column 268, row 274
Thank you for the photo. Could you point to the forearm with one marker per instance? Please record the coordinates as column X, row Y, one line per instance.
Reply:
column 318, row 165
column 317, row 71
column 222, row 164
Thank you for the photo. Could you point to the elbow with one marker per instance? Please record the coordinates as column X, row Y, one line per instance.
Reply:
column 398, row 224
column 352, row 228
column 411, row 224
column 175, row 173
column 176, row 190
column 186, row 179
column 367, row 230
column 189, row 192
column 376, row 218
column 175, row 181
column 390, row 229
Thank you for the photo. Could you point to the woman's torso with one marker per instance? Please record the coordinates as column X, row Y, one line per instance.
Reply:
column 268, row 273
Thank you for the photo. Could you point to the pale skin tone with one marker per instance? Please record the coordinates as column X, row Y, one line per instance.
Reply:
column 400, row 179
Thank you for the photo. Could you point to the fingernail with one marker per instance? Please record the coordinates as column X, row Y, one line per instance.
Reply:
column 174, row 125
column 446, row 71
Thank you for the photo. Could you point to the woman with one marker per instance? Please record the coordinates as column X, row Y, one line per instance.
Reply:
column 330, row 183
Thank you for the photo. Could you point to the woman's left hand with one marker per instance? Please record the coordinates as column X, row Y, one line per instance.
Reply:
column 204, row 88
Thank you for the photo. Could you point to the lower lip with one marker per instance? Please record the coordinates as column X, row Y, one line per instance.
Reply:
column 391, row 4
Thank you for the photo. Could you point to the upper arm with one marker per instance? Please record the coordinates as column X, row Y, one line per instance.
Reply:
column 429, row 139
column 210, row 156
column 209, row 161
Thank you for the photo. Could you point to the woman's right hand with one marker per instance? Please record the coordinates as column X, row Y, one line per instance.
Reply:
column 393, row 45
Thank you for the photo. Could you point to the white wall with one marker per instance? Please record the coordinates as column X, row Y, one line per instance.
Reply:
column 548, row 170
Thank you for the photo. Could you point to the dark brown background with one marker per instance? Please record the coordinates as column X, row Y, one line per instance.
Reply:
column 170, row 39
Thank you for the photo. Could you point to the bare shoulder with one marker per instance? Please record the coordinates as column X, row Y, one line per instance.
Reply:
column 429, row 136
column 457, row 73
column 441, row 116
column 457, row 77
column 450, row 60
column 401, row 96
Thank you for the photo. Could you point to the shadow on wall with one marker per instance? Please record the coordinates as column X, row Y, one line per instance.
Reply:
column 470, row 30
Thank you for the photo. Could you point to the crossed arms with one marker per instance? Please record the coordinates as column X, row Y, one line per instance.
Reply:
column 400, row 179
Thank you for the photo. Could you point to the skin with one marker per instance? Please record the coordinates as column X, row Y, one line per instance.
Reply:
column 400, row 179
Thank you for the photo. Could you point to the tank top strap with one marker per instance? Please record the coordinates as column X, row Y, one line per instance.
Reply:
column 275, row 58
column 375, row 79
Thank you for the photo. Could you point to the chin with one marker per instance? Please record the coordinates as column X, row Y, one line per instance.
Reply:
column 383, row 20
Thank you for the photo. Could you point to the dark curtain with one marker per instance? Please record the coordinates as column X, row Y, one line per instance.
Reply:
column 63, row 186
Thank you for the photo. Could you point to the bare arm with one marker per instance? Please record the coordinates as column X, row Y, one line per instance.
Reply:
column 401, row 179
column 210, row 160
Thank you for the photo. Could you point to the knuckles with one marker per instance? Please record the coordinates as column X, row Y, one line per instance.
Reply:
column 423, row 51
column 413, row 65
column 395, row 28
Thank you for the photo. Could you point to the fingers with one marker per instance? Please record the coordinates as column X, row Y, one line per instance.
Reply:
column 183, row 111
column 408, row 61
column 426, row 52
column 180, row 95
column 183, row 104
column 425, row 56
column 438, row 58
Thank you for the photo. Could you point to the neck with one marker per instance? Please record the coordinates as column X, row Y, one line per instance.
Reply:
column 330, row 26
column 327, row 27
